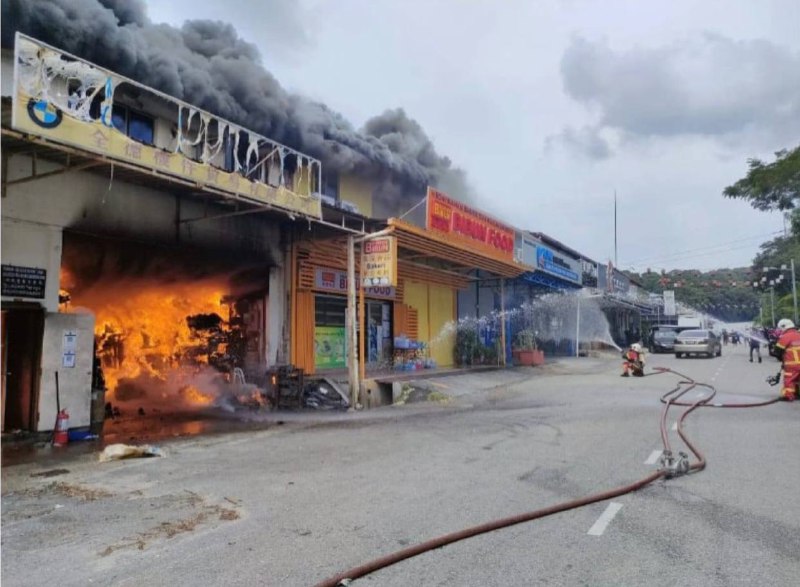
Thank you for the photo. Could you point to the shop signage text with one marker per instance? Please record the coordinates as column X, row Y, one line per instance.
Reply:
column 589, row 273
column 24, row 282
column 379, row 262
column 40, row 109
column 468, row 226
column 560, row 266
column 336, row 281
column 616, row 282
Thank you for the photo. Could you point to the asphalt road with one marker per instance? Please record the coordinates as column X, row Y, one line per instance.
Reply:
column 294, row 504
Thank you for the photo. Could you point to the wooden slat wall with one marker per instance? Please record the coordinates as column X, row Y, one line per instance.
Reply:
column 405, row 270
column 399, row 319
column 406, row 321
column 329, row 253
column 332, row 253
column 412, row 323
column 303, row 341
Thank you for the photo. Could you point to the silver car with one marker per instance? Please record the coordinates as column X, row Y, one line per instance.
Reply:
column 697, row 342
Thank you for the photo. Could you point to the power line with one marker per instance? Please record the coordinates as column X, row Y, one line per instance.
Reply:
column 688, row 253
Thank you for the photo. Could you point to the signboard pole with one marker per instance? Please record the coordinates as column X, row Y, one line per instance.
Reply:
column 362, row 327
column 355, row 340
column 352, row 356
column 578, row 328
column 503, row 320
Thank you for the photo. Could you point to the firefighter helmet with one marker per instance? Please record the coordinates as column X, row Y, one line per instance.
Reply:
column 636, row 347
column 785, row 324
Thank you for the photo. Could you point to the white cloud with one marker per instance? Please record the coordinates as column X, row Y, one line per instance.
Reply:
column 703, row 85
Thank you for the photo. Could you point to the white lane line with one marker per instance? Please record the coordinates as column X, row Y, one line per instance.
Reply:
column 653, row 458
column 605, row 519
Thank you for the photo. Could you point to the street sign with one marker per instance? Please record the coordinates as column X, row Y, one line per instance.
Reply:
column 379, row 262
column 669, row 302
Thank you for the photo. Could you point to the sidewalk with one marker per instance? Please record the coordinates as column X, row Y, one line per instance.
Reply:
column 424, row 388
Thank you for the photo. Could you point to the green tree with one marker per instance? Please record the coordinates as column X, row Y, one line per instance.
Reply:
column 771, row 186
column 727, row 294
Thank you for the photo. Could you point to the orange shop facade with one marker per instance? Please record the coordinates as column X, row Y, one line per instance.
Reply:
column 410, row 325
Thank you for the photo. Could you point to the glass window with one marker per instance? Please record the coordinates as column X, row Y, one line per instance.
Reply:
column 329, row 311
column 694, row 334
column 119, row 118
column 140, row 128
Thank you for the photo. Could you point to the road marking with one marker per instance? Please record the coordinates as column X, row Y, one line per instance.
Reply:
column 605, row 519
column 675, row 426
column 653, row 458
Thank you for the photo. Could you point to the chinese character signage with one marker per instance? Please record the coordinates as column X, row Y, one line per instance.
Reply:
column 379, row 262
column 68, row 348
column 558, row 265
column 24, row 282
column 616, row 282
column 468, row 227
column 336, row 281
column 82, row 118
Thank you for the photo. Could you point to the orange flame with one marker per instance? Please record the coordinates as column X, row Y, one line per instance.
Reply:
column 195, row 397
column 141, row 328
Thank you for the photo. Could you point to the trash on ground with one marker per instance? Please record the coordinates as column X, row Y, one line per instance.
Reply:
column 323, row 395
column 77, row 435
column 51, row 473
column 115, row 452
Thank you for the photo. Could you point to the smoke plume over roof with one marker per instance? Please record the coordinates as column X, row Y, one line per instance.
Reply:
column 206, row 64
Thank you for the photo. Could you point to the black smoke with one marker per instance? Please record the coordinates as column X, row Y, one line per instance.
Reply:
column 208, row 65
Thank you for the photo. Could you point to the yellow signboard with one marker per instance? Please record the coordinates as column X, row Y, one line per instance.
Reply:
column 37, row 111
column 379, row 262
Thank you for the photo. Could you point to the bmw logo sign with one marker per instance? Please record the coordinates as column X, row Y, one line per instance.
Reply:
column 44, row 113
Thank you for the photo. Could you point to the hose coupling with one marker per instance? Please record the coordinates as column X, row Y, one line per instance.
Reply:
column 674, row 467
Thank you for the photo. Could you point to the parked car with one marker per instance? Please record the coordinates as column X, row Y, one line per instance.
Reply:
column 697, row 342
column 663, row 341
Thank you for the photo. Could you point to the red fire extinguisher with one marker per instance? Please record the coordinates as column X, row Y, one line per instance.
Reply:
column 61, row 429
column 61, row 435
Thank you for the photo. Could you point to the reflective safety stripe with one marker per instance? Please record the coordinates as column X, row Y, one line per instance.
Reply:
column 791, row 358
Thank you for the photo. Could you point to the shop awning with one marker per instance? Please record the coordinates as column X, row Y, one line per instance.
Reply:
column 423, row 245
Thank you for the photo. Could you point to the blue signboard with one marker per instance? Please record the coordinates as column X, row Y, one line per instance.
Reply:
column 558, row 265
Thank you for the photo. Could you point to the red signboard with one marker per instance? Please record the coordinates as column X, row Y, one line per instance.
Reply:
column 468, row 226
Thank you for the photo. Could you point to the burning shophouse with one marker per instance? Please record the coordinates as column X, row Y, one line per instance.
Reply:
column 142, row 238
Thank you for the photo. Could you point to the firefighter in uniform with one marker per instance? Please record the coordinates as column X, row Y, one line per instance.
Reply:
column 787, row 349
column 633, row 361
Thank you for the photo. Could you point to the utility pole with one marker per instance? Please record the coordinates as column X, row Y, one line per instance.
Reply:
column 772, row 303
column 355, row 341
column 794, row 292
column 578, row 327
column 615, row 229
column 352, row 356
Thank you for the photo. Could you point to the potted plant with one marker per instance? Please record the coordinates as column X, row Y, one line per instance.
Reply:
column 525, row 349
column 467, row 346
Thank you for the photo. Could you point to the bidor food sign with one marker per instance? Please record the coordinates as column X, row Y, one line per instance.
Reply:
column 379, row 262
column 468, row 226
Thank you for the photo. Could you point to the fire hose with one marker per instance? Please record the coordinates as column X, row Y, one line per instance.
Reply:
column 670, row 467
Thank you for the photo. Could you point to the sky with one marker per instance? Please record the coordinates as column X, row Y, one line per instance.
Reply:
column 552, row 107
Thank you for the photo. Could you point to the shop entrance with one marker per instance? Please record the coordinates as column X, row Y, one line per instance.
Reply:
column 330, row 334
column 177, row 330
column 379, row 333
column 21, row 354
